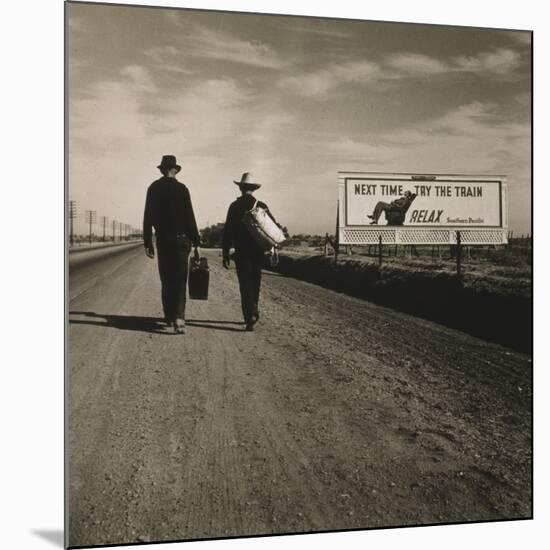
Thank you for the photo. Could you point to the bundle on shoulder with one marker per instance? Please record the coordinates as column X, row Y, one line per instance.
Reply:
column 264, row 230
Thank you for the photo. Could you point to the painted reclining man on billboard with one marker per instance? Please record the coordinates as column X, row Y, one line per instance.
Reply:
column 395, row 211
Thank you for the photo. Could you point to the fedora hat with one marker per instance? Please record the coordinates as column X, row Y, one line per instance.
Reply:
column 167, row 162
column 247, row 182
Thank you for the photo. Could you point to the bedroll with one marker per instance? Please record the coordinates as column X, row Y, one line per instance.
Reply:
column 262, row 228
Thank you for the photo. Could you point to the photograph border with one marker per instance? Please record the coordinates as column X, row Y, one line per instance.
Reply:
column 502, row 180
column 33, row 495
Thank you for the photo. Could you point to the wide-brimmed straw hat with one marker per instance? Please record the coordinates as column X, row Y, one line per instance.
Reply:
column 247, row 182
column 168, row 162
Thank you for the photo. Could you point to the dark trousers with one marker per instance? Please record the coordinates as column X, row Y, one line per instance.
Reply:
column 379, row 208
column 173, row 262
column 249, row 273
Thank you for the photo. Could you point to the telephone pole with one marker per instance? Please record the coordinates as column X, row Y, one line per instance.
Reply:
column 104, row 223
column 91, row 216
column 114, row 230
column 72, row 217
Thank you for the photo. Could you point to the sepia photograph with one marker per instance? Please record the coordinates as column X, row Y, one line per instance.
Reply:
column 299, row 258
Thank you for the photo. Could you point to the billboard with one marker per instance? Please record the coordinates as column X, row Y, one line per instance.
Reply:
column 412, row 205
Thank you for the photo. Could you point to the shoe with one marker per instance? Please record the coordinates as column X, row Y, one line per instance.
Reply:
column 255, row 317
column 249, row 327
column 179, row 326
column 373, row 222
column 369, row 216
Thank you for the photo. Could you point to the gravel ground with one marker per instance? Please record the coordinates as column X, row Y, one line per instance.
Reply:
column 334, row 414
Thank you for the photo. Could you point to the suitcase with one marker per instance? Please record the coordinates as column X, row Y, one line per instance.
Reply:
column 263, row 229
column 199, row 279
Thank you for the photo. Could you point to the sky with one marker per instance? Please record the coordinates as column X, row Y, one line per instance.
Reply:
column 293, row 100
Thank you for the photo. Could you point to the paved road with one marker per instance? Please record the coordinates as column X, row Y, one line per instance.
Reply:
column 334, row 414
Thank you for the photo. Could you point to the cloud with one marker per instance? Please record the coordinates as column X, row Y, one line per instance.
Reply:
column 523, row 99
column 470, row 138
column 411, row 64
column 472, row 120
column 211, row 44
column 315, row 27
column 120, row 128
column 500, row 61
column 206, row 113
column 201, row 41
column 167, row 58
column 318, row 84
column 199, row 116
column 349, row 149
column 77, row 24
column 266, row 127
column 160, row 52
column 76, row 64
column 139, row 78
column 110, row 114
column 396, row 67
column 522, row 37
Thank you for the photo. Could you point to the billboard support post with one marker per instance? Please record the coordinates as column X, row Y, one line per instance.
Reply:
column 380, row 250
column 336, row 238
column 458, row 254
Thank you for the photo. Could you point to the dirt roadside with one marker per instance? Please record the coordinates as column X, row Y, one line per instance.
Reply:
column 333, row 414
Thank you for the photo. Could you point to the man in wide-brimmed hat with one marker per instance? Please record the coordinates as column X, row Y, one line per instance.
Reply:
column 249, row 256
column 169, row 210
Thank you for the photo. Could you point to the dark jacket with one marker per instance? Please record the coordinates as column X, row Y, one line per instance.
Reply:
column 235, row 232
column 403, row 202
column 169, row 210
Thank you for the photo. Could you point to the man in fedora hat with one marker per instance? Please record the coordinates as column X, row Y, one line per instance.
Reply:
column 169, row 210
column 249, row 256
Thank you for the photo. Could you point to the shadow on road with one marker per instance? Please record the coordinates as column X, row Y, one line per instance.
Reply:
column 195, row 321
column 222, row 325
column 146, row 324
column 272, row 273
column 122, row 322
